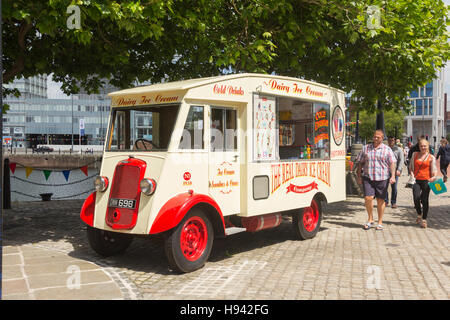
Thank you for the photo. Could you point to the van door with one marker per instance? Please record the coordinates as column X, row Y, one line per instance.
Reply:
column 224, row 162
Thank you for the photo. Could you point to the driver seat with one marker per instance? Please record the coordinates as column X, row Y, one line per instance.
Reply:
column 143, row 145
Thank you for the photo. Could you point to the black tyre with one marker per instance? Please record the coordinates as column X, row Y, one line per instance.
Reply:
column 189, row 245
column 107, row 243
column 306, row 221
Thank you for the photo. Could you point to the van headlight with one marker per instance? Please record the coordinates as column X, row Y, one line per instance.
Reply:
column 101, row 183
column 148, row 186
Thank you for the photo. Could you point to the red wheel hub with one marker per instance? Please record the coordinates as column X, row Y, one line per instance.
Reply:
column 193, row 238
column 311, row 216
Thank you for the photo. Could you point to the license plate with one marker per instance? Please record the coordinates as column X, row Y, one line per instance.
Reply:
column 122, row 203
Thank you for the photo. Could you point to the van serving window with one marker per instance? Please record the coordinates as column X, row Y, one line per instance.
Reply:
column 304, row 130
column 142, row 128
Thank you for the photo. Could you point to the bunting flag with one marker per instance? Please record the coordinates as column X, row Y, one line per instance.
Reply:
column 66, row 174
column 47, row 174
column 85, row 170
column 12, row 167
column 28, row 171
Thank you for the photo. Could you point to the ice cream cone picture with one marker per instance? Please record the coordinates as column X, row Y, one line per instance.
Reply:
column 338, row 125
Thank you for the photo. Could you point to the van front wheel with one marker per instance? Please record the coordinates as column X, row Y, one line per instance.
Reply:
column 189, row 245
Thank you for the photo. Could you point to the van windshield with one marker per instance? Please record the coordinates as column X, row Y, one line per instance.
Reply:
column 142, row 128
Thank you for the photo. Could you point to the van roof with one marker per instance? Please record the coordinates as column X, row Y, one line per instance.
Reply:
column 192, row 83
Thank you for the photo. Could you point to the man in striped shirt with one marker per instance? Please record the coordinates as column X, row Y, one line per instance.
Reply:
column 376, row 169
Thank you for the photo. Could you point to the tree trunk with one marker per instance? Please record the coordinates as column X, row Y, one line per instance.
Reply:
column 380, row 118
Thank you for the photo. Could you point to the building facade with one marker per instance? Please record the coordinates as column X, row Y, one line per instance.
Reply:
column 31, row 122
column 33, row 119
column 30, row 88
column 427, row 117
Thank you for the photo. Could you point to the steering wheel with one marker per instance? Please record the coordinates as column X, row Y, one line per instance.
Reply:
column 144, row 143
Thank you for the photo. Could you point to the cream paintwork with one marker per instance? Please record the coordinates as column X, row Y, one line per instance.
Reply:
column 168, row 168
column 155, row 162
column 280, row 200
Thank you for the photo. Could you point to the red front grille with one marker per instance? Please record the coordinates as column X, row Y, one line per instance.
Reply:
column 125, row 187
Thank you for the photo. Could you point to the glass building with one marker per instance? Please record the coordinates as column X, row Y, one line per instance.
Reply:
column 30, row 88
column 33, row 119
column 32, row 122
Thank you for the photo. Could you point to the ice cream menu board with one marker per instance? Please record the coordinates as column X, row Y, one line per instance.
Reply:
column 265, row 131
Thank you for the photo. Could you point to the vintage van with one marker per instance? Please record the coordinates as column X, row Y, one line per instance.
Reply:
column 198, row 159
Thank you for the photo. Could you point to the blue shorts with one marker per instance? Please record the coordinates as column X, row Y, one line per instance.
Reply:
column 377, row 189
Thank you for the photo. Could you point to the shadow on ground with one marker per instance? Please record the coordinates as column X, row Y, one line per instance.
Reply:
column 57, row 222
column 342, row 213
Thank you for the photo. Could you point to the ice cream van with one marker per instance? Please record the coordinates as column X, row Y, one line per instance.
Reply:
column 199, row 159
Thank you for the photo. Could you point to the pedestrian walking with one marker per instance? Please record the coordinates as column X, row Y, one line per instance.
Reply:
column 444, row 157
column 414, row 148
column 376, row 169
column 424, row 170
column 398, row 153
column 405, row 154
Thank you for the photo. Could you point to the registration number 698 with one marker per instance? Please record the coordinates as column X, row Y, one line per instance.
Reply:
column 123, row 203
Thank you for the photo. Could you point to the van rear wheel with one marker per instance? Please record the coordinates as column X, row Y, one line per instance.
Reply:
column 107, row 243
column 306, row 221
column 189, row 245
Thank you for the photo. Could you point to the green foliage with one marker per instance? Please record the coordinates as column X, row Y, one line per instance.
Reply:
column 335, row 45
column 329, row 41
column 393, row 124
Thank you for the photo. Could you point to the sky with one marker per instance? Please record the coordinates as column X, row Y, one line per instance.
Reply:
column 54, row 91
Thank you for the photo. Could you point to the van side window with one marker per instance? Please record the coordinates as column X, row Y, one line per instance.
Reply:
column 192, row 137
column 304, row 129
column 223, row 129
column 230, row 129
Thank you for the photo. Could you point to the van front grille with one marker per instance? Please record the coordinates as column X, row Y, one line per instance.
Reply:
column 123, row 204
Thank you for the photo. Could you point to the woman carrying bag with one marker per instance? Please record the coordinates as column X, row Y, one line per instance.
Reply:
column 423, row 168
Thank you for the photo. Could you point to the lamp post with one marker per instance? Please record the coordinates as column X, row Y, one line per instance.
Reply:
column 71, row 149
column 380, row 118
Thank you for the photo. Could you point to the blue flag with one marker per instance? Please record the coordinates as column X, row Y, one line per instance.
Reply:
column 66, row 174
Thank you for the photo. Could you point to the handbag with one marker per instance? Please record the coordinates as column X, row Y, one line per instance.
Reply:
column 438, row 186
column 412, row 179
column 410, row 182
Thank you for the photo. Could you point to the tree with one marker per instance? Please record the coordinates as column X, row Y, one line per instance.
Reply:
column 125, row 41
column 394, row 122
column 336, row 42
column 39, row 39
column 377, row 50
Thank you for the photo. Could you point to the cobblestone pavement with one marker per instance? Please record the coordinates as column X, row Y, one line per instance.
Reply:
column 343, row 261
